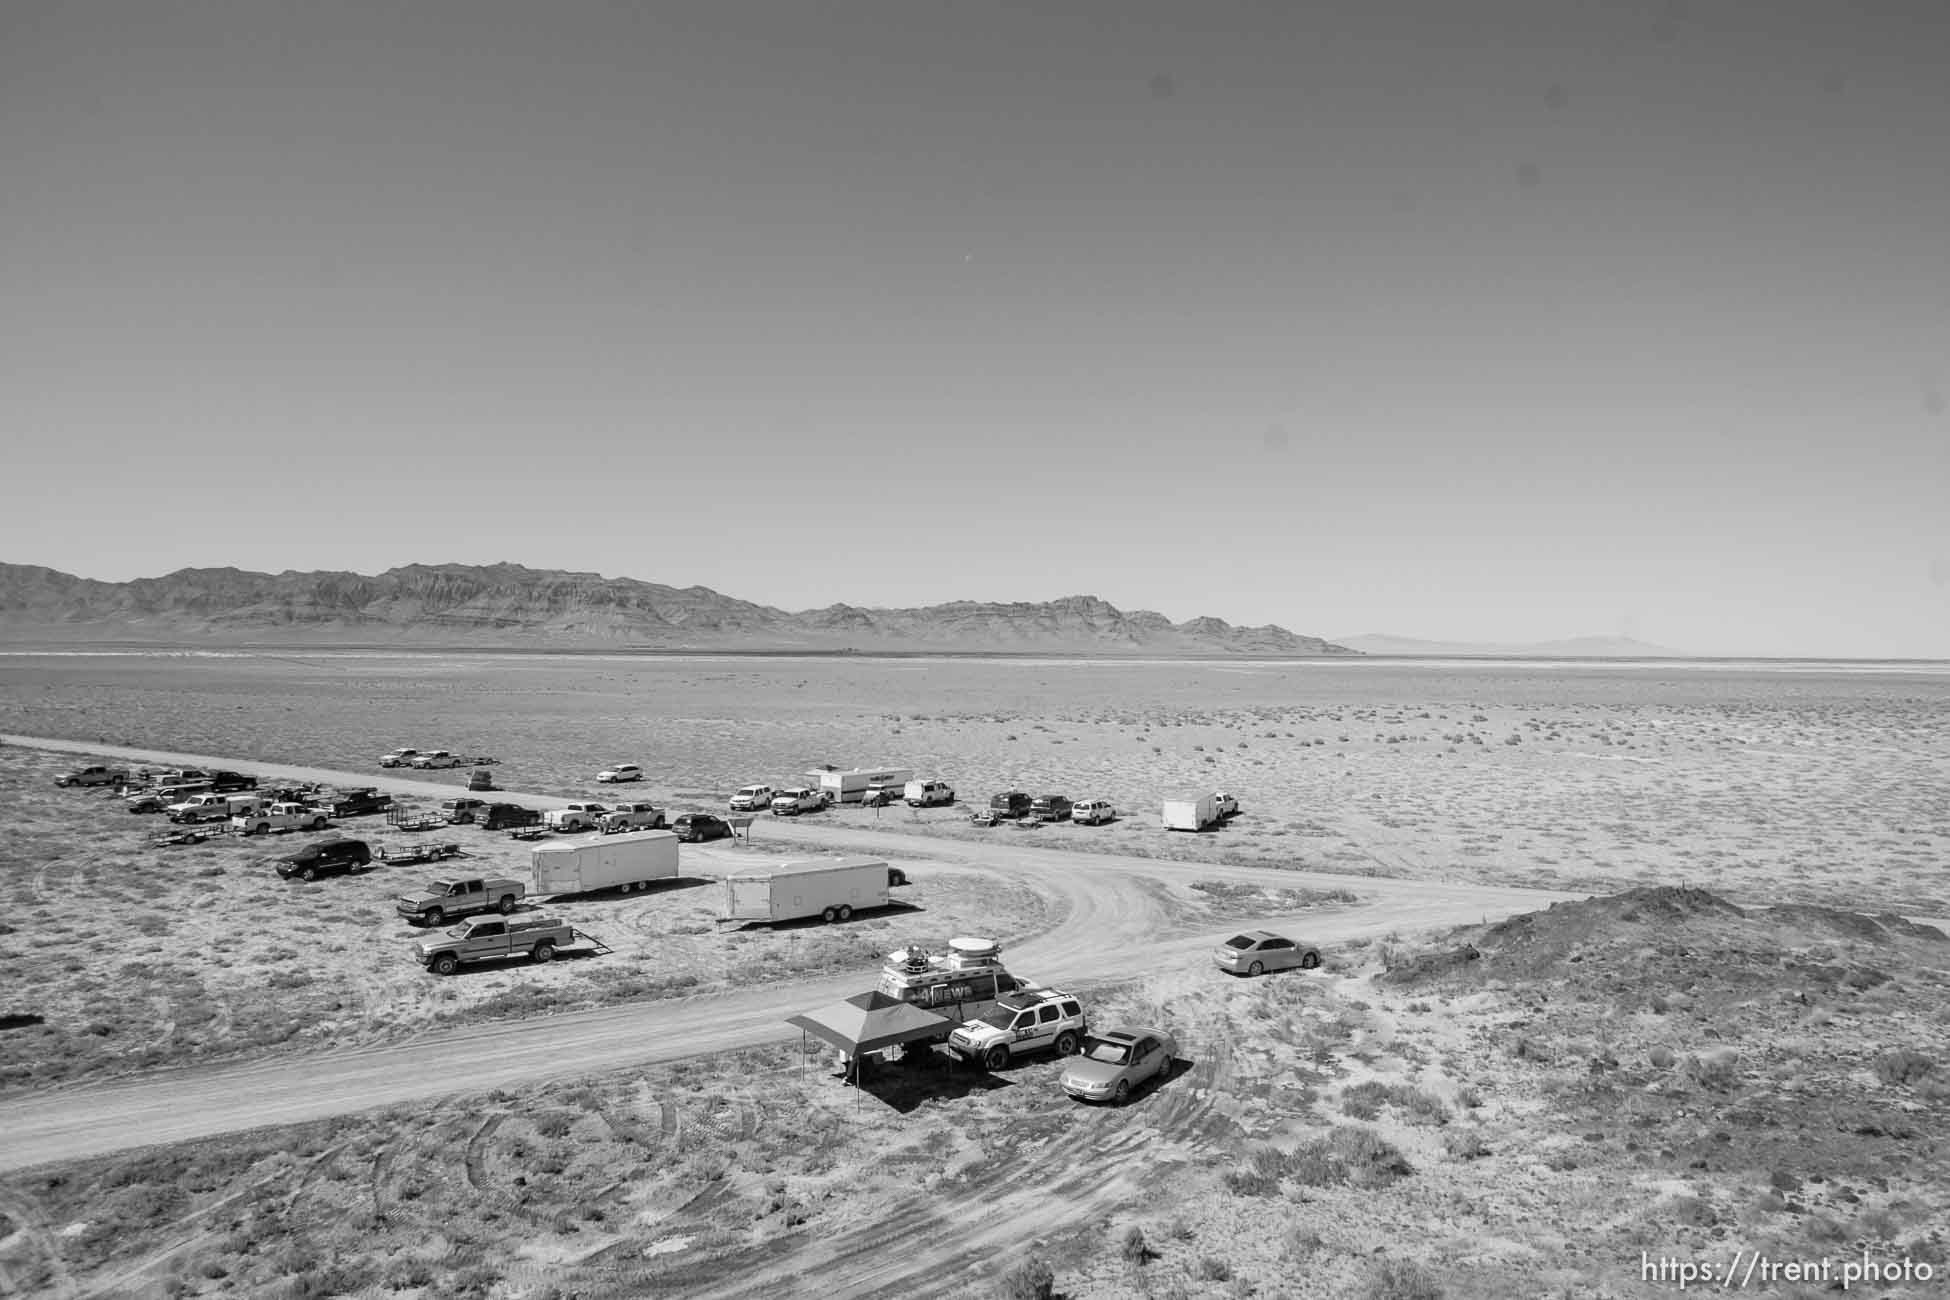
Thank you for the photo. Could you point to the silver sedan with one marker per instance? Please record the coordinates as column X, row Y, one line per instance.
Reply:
column 1111, row 1066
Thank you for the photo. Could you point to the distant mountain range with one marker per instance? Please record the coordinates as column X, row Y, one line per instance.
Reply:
column 1583, row 647
column 506, row 605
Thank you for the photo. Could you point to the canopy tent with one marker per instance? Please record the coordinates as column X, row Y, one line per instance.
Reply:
column 871, row 1022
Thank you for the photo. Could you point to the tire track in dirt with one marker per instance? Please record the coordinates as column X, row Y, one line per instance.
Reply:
column 1102, row 1171
column 723, row 1120
column 1049, row 1185
column 387, row 1200
column 75, row 880
column 30, row 1222
column 129, row 1272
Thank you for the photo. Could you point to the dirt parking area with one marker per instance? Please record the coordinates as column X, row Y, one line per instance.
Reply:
column 120, row 955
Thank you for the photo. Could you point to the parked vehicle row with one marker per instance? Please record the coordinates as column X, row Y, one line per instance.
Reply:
column 1003, row 1019
column 433, row 759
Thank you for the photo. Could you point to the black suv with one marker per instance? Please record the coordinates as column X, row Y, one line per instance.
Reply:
column 500, row 816
column 694, row 828
column 1012, row 803
column 326, row 858
column 1050, row 808
column 227, row 782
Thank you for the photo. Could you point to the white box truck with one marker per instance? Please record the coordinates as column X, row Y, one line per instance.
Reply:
column 831, row 888
column 629, row 861
column 1193, row 814
column 851, row 785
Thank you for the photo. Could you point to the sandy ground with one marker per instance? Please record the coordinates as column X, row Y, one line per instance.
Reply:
column 1796, row 786
column 1604, row 1083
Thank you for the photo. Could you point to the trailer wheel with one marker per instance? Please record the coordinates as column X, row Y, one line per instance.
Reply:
column 507, row 904
column 996, row 1057
column 544, row 951
column 846, row 913
column 445, row 964
column 830, row 915
column 432, row 916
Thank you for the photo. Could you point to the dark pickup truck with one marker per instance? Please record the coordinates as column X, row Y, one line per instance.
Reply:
column 359, row 801
column 222, row 782
column 489, row 938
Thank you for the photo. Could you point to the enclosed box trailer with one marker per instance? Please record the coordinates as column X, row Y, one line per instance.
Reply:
column 626, row 862
column 1193, row 814
column 833, row 888
column 851, row 785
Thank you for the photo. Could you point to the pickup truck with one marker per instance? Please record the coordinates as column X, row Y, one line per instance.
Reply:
column 94, row 775
column 1226, row 805
column 359, row 801
column 281, row 817
column 452, row 896
column 227, row 782
column 399, row 758
column 574, row 817
column 799, row 799
column 486, row 938
column 213, row 807
column 631, row 817
column 433, row 758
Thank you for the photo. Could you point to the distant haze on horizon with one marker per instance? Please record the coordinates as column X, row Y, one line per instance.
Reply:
column 1494, row 322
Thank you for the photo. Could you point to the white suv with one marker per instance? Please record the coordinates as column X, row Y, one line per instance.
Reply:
column 924, row 794
column 1093, row 812
column 1027, row 1020
column 752, row 798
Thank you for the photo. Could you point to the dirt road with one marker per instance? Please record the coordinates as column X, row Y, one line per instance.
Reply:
column 1113, row 925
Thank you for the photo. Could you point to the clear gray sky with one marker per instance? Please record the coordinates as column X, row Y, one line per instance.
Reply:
column 1457, row 319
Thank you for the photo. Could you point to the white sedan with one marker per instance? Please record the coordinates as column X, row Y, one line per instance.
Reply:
column 621, row 772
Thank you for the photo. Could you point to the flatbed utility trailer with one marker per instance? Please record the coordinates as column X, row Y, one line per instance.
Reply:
column 401, row 820
column 531, row 833
column 197, row 835
column 418, row 853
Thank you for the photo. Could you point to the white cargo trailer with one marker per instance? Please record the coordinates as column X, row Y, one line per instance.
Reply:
column 833, row 888
column 626, row 862
column 1193, row 814
column 851, row 785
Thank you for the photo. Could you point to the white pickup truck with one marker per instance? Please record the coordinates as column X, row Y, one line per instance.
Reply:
column 281, row 817
column 798, row 799
column 574, row 817
column 632, row 817
column 213, row 807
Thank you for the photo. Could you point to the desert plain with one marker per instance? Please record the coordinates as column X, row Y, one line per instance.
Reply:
column 1618, row 980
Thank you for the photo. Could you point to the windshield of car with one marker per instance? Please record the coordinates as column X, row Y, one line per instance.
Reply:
column 1239, row 941
column 1103, row 1049
column 1000, row 1018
